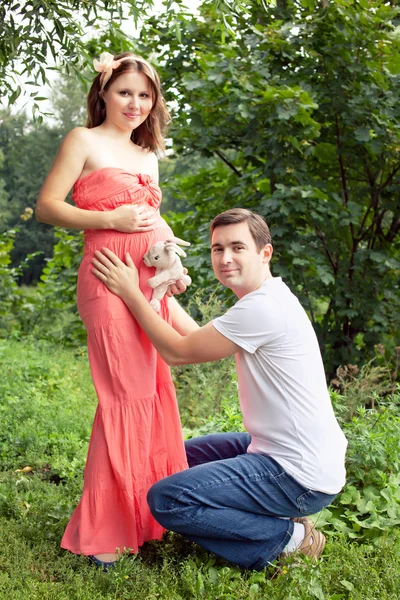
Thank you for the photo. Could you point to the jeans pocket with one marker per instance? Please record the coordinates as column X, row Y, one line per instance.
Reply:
column 305, row 500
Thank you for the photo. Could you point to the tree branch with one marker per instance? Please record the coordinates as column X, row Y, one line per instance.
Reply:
column 389, row 178
column 341, row 165
column 228, row 162
column 393, row 229
column 328, row 252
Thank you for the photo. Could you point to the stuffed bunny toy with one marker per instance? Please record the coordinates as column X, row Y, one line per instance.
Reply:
column 165, row 257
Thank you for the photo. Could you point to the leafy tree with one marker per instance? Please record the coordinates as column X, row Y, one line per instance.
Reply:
column 18, row 313
column 37, row 33
column 298, row 101
column 286, row 107
column 29, row 149
column 4, row 208
column 68, row 100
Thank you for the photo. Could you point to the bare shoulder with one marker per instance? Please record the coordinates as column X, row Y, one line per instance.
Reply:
column 153, row 163
column 150, row 157
column 78, row 135
column 76, row 138
column 143, row 151
column 71, row 157
column 81, row 144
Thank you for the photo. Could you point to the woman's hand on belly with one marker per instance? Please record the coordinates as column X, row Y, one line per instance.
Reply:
column 130, row 218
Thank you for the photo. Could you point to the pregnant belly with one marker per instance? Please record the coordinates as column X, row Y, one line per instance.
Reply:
column 90, row 288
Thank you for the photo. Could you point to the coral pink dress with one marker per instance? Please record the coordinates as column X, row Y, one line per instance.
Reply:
column 136, row 437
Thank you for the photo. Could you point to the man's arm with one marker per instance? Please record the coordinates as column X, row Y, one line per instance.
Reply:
column 182, row 322
column 205, row 344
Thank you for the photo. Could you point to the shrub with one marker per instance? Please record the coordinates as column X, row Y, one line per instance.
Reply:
column 203, row 388
column 18, row 310
column 58, row 290
column 369, row 504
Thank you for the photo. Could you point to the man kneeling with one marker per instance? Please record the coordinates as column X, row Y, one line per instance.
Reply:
column 246, row 496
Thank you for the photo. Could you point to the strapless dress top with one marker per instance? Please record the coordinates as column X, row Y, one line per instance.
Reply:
column 110, row 187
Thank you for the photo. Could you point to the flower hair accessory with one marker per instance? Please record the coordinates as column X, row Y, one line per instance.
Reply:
column 107, row 64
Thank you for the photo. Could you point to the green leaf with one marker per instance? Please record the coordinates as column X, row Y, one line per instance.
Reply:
column 325, row 152
column 362, row 134
column 193, row 84
column 350, row 495
column 347, row 584
column 393, row 64
column 316, row 591
column 254, row 589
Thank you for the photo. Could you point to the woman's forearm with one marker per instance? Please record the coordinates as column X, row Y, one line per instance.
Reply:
column 62, row 214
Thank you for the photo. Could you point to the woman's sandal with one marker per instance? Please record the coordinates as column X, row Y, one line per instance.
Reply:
column 101, row 563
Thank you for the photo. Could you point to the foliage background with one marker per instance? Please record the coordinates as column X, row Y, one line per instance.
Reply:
column 289, row 108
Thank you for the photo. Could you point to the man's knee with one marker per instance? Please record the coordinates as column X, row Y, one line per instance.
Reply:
column 155, row 498
column 164, row 498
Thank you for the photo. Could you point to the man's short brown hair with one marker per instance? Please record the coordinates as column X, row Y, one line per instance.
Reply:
column 258, row 228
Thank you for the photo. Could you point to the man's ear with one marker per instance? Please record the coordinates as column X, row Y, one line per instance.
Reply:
column 267, row 252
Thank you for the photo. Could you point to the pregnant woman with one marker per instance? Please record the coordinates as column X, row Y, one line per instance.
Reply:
column 136, row 437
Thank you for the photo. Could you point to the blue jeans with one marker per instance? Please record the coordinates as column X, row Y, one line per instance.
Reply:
column 230, row 502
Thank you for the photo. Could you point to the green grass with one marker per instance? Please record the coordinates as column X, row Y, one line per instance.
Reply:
column 47, row 406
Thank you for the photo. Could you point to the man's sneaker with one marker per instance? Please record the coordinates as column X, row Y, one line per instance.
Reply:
column 314, row 541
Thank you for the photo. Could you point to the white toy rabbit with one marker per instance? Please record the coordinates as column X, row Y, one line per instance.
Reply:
column 164, row 256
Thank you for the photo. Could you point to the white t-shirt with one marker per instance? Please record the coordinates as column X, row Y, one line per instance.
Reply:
column 282, row 388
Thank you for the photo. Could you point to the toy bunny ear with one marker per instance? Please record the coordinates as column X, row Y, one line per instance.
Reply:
column 170, row 245
column 179, row 241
